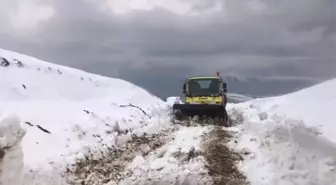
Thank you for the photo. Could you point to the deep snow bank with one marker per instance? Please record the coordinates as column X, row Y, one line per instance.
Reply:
column 315, row 106
column 289, row 140
column 66, row 111
column 11, row 155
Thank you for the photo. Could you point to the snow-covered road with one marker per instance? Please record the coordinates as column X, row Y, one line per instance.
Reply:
column 60, row 125
column 193, row 155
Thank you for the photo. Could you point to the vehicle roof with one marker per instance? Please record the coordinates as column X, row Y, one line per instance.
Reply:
column 204, row 77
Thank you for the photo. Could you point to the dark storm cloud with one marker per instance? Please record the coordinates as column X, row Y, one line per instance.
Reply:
column 282, row 39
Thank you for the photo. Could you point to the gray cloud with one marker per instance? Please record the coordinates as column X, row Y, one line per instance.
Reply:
column 275, row 39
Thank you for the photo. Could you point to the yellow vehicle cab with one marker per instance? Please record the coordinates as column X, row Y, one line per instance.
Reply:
column 204, row 96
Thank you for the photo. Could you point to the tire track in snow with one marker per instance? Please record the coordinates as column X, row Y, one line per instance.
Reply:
column 221, row 159
column 195, row 154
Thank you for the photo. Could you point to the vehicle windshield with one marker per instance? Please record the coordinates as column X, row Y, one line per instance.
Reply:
column 206, row 87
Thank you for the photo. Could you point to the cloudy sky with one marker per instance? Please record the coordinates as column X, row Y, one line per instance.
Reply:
column 147, row 40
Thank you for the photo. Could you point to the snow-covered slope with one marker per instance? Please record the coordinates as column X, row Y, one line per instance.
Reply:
column 315, row 106
column 64, row 110
column 290, row 139
column 46, row 81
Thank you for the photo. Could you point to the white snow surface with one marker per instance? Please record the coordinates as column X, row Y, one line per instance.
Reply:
column 57, row 102
column 315, row 106
column 11, row 164
column 56, row 98
column 169, row 164
column 289, row 139
column 174, row 99
column 78, row 110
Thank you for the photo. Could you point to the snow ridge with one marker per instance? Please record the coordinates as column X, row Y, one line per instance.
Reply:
column 285, row 142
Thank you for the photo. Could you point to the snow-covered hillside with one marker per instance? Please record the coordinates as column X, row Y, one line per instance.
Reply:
column 62, row 111
column 289, row 140
column 57, row 98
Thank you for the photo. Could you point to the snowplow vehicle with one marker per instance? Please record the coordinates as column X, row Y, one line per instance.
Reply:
column 205, row 97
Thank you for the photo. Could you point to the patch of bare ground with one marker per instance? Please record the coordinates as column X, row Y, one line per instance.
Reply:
column 107, row 164
column 221, row 159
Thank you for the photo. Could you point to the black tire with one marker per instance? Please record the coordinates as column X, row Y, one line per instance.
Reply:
column 224, row 118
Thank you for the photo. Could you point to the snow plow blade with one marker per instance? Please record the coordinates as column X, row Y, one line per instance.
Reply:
column 183, row 111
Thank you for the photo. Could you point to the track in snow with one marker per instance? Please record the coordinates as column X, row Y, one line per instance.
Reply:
column 221, row 159
column 191, row 154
